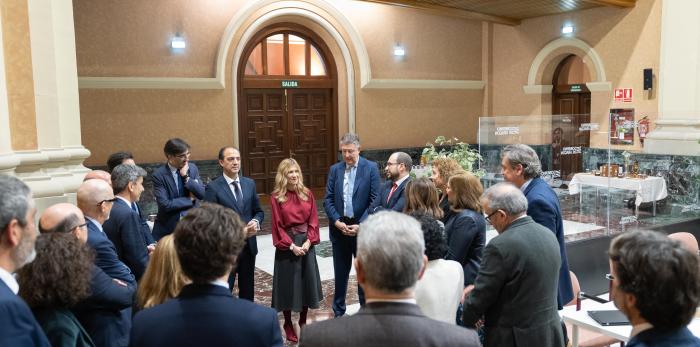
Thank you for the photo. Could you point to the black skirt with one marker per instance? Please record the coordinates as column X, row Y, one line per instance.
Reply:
column 296, row 282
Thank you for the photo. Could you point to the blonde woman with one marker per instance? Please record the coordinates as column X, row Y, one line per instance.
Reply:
column 296, row 283
column 163, row 278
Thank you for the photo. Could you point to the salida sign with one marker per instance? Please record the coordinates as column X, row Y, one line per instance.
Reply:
column 623, row 94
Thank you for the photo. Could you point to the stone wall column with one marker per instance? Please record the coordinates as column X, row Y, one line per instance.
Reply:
column 56, row 92
column 678, row 124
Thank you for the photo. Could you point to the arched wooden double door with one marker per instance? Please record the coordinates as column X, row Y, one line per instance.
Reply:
column 287, row 106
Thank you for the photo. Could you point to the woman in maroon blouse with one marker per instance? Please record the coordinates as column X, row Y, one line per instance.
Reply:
column 296, row 284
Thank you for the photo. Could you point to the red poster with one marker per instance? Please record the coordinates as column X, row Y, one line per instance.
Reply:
column 623, row 94
column 622, row 126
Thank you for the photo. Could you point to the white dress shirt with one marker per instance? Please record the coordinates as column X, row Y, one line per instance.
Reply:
column 9, row 280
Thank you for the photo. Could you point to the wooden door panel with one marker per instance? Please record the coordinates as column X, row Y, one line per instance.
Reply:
column 576, row 107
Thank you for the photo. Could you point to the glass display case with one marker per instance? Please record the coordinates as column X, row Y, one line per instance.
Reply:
column 596, row 164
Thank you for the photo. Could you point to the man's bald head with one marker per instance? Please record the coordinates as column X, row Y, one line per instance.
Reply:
column 63, row 218
column 100, row 175
column 95, row 198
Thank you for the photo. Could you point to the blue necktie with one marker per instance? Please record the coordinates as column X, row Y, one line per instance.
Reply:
column 347, row 192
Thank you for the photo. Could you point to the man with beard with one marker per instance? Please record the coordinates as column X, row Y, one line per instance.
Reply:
column 236, row 192
column 397, row 171
column 18, row 327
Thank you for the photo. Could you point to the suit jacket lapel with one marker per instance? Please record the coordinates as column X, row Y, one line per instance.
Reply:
column 169, row 177
column 229, row 194
column 397, row 192
column 359, row 175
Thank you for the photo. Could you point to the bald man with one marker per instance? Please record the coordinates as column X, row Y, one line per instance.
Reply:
column 95, row 200
column 99, row 175
column 102, row 310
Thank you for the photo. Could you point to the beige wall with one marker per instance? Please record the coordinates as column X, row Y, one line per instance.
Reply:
column 116, row 39
column 18, row 73
column 627, row 40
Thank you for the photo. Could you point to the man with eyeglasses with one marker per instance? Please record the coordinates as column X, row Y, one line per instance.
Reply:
column 397, row 170
column 236, row 192
column 101, row 311
column 656, row 284
column 176, row 187
column 95, row 200
column 352, row 188
column 516, row 287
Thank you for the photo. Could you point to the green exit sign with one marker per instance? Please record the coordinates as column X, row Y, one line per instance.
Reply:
column 290, row 84
column 575, row 88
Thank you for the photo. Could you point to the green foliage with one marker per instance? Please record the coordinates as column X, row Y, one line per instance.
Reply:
column 455, row 149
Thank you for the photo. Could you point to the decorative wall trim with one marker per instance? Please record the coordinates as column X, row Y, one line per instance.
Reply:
column 574, row 46
column 424, row 84
column 599, row 86
column 149, row 83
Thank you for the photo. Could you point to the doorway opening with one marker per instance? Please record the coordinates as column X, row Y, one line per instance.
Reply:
column 287, row 106
column 571, row 107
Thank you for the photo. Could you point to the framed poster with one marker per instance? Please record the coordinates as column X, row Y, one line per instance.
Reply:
column 622, row 126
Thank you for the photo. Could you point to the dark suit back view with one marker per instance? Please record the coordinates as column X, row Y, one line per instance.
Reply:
column 364, row 193
column 124, row 229
column 17, row 324
column 206, row 315
column 386, row 324
column 516, row 288
column 543, row 207
column 219, row 191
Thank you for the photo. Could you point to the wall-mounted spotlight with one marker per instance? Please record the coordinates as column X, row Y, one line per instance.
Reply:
column 399, row 51
column 567, row 29
column 178, row 42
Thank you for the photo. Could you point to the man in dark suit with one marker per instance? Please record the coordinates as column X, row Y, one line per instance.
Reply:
column 397, row 170
column 176, row 187
column 238, row 193
column 18, row 327
column 656, row 284
column 517, row 283
column 390, row 260
column 95, row 199
column 108, row 296
column 521, row 166
column 352, row 187
column 207, row 241
column 132, row 241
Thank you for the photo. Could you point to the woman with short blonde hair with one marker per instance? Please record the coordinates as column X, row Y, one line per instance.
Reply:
column 163, row 278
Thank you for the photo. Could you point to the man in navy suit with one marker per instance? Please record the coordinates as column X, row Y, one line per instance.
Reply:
column 521, row 166
column 113, row 161
column 95, row 199
column 124, row 228
column 18, row 327
column 656, row 284
column 207, row 241
column 176, row 187
column 352, row 188
column 238, row 193
column 108, row 295
column 397, row 170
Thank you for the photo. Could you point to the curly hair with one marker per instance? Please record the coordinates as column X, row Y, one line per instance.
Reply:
column 163, row 278
column 60, row 275
column 208, row 240
column 663, row 276
column 433, row 234
column 422, row 196
column 280, row 190
column 446, row 168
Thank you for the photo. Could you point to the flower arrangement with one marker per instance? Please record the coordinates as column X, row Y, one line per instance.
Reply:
column 455, row 149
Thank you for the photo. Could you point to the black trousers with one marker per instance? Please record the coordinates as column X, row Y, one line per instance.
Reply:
column 245, row 270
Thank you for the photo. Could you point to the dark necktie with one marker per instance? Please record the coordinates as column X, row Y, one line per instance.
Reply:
column 391, row 192
column 237, row 192
column 133, row 207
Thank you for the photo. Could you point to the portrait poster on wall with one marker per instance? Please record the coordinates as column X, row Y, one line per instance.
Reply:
column 622, row 126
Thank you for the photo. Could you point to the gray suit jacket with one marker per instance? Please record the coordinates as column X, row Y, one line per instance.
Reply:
column 385, row 324
column 516, row 288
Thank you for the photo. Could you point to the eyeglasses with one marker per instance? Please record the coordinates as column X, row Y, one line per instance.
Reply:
column 183, row 155
column 81, row 226
column 488, row 218
column 106, row 200
column 609, row 277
